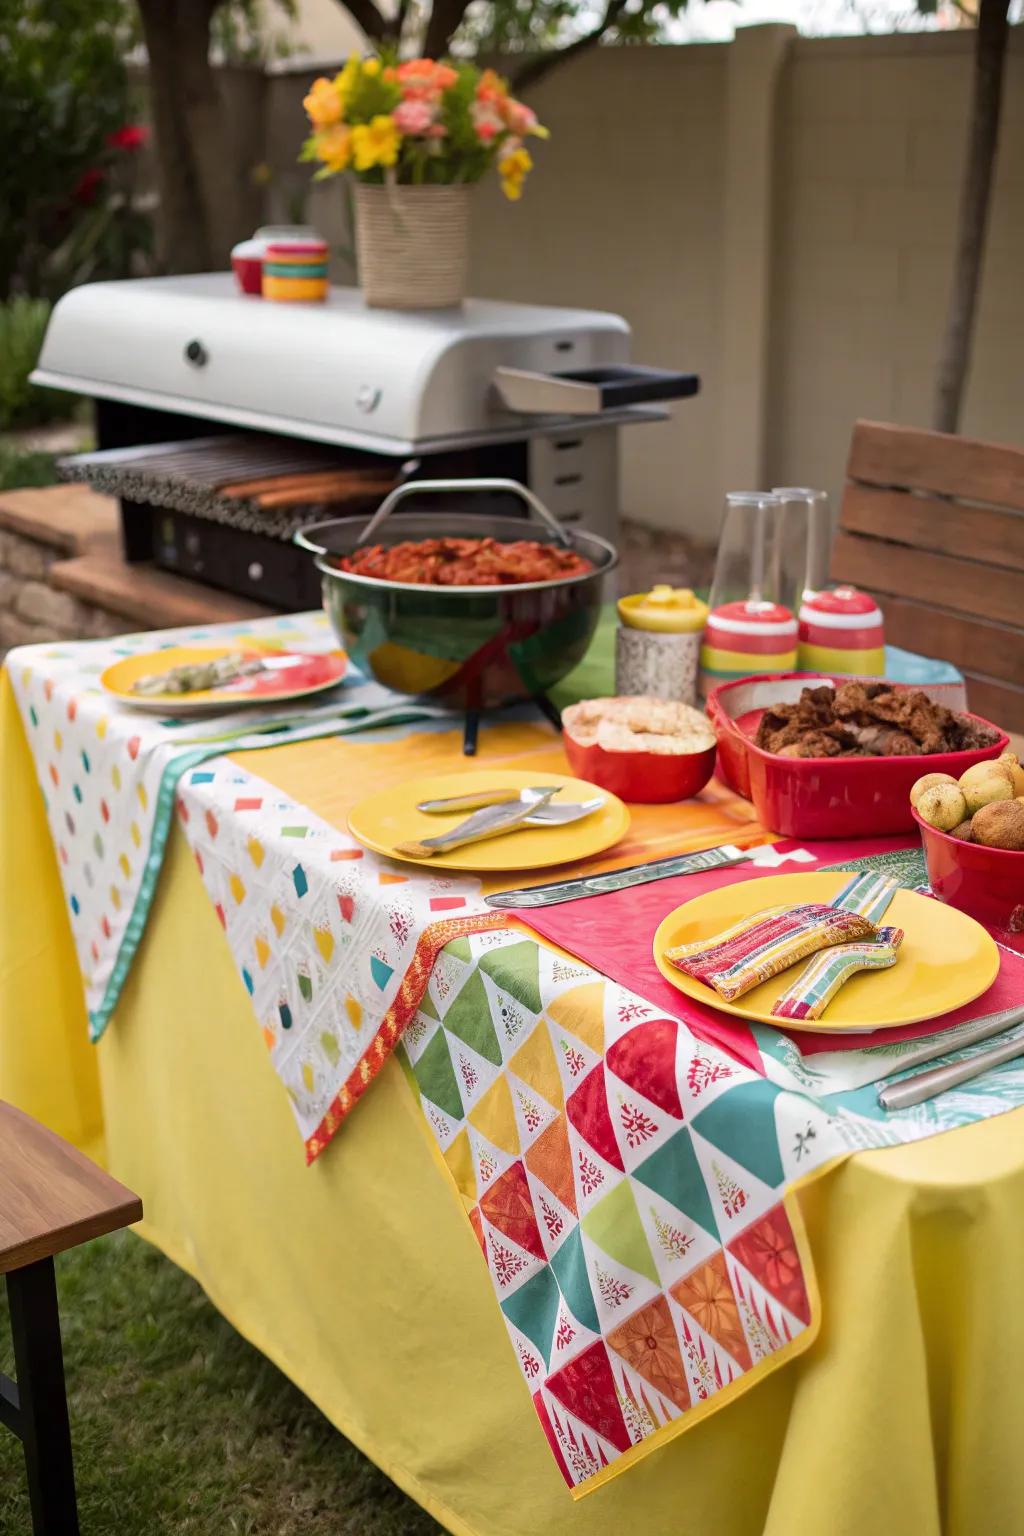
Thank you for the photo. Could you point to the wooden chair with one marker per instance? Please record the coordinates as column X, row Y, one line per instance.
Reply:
column 51, row 1198
column 933, row 525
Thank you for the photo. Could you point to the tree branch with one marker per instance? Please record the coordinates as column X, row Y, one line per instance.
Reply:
column 367, row 16
column 541, row 64
column 398, row 25
column 445, row 16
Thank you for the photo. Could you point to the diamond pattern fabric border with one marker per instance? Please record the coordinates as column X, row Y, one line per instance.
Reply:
column 629, row 1187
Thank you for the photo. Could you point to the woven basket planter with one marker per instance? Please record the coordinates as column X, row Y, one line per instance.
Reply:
column 412, row 244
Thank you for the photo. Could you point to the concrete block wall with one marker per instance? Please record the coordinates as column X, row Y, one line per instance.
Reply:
column 776, row 214
column 870, row 144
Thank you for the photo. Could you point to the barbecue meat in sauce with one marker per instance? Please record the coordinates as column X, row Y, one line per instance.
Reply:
column 465, row 562
column 867, row 720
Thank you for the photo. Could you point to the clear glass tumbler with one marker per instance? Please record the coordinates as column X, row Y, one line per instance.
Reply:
column 746, row 566
column 803, row 543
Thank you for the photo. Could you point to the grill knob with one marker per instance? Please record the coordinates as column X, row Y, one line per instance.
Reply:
column 196, row 354
column 255, row 571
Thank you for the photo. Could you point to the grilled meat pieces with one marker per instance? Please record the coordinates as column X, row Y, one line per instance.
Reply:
column 866, row 720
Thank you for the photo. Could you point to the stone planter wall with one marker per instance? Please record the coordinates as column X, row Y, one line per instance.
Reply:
column 31, row 610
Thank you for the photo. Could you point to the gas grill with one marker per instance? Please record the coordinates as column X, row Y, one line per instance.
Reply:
column 225, row 422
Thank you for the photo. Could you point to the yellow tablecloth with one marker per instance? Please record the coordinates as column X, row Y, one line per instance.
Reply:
column 905, row 1416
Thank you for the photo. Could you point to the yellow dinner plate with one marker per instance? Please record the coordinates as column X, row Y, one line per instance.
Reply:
column 390, row 816
column 288, row 675
column 946, row 958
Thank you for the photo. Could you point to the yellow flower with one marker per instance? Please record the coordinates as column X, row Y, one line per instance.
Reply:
column 512, row 169
column 371, row 67
column 346, row 80
column 375, row 143
column 323, row 104
column 334, row 146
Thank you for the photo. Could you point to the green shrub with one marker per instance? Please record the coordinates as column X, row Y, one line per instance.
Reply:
column 22, row 327
column 19, row 469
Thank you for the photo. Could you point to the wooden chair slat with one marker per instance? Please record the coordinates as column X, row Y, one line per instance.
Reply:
column 1000, row 702
column 971, row 644
column 965, row 586
column 912, row 459
column 943, row 527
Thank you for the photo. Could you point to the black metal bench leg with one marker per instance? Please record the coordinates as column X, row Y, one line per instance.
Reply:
column 42, row 1399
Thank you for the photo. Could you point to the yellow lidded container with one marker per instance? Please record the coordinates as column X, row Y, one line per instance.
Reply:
column 657, row 645
column 664, row 610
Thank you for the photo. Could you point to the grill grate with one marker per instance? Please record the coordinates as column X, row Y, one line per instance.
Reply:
column 260, row 484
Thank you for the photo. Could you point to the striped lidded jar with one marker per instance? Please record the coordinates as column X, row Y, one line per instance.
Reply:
column 842, row 631
column 745, row 638
column 295, row 271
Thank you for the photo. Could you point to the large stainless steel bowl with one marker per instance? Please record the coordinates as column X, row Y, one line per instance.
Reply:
column 472, row 647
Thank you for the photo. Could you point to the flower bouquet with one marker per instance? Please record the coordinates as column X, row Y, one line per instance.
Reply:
column 416, row 137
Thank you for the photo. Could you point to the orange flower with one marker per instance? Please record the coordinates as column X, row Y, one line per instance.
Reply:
column 491, row 87
column 425, row 80
column 323, row 104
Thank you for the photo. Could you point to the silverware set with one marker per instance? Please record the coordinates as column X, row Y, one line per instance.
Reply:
column 495, row 812
column 921, row 1086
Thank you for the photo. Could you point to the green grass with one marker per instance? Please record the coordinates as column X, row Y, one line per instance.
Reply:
column 18, row 467
column 180, row 1426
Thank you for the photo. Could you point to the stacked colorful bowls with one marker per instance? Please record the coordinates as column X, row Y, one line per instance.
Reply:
column 744, row 638
column 295, row 271
column 841, row 631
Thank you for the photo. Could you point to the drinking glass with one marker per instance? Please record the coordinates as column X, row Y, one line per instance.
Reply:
column 802, row 545
column 746, row 567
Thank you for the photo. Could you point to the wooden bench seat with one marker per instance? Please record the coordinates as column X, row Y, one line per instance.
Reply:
column 51, row 1198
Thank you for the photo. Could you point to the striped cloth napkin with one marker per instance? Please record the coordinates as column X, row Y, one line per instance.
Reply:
column 765, row 943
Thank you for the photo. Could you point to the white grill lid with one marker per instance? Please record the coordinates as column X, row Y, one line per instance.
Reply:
column 395, row 381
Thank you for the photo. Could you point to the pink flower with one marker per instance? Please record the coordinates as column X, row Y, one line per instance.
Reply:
column 486, row 121
column 131, row 136
column 413, row 117
column 519, row 118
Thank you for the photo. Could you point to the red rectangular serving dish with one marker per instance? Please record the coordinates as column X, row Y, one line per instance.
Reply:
column 825, row 797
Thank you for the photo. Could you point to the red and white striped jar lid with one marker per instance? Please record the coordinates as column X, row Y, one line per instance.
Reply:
column 844, row 609
column 297, row 248
column 755, row 628
column 753, row 618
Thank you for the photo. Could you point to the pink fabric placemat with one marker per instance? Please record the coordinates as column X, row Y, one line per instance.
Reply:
column 614, row 933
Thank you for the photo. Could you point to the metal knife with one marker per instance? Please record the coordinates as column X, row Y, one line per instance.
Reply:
column 621, row 879
column 925, row 1085
column 480, row 798
column 492, row 821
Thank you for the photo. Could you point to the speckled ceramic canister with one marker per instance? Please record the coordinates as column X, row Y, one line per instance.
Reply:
column 657, row 644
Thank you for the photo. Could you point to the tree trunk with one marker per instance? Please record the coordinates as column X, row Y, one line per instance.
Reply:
column 975, row 196
column 443, row 22
column 201, row 197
